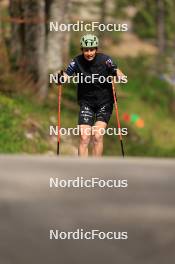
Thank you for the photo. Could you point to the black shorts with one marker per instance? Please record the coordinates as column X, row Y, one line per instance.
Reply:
column 88, row 115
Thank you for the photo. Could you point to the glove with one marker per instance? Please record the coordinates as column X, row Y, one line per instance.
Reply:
column 60, row 77
column 111, row 67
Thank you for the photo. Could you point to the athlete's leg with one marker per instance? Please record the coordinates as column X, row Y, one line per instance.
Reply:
column 97, row 135
column 86, row 120
column 85, row 136
column 103, row 114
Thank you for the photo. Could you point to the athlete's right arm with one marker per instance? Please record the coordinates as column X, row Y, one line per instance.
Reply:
column 71, row 69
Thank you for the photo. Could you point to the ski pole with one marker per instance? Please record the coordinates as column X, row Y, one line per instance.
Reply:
column 117, row 117
column 59, row 115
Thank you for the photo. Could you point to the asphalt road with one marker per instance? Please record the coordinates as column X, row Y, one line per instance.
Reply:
column 29, row 209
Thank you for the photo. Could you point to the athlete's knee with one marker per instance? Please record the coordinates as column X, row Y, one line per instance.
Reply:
column 84, row 139
column 97, row 138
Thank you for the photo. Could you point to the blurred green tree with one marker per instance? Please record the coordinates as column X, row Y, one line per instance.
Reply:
column 155, row 20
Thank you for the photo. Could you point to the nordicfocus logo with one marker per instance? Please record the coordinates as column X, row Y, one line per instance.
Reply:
column 76, row 131
column 88, row 79
column 81, row 26
column 81, row 182
column 81, row 234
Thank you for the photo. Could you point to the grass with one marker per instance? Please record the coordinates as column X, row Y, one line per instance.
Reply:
column 23, row 125
column 149, row 97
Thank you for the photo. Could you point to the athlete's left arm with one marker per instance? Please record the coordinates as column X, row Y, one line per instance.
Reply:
column 114, row 69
